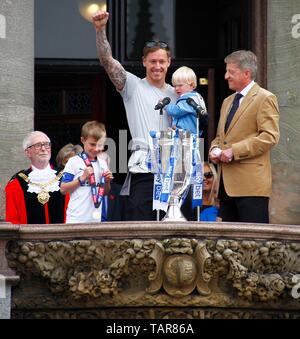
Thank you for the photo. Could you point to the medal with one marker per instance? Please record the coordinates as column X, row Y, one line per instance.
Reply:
column 43, row 197
column 97, row 215
column 97, row 194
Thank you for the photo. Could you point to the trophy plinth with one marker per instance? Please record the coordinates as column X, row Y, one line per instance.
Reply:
column 174, row 213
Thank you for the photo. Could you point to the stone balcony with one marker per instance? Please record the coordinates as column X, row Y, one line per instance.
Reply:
column 152, row 270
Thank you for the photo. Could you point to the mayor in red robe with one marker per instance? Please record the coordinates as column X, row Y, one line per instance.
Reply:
column 33, row 196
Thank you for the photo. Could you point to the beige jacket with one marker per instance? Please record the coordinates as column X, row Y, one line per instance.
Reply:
column 254, row 130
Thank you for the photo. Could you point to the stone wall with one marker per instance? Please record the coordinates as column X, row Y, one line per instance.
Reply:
column 16, row 85
column 284, row 80
column 154, row 271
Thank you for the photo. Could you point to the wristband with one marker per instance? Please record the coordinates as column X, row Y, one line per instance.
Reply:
column 80, row 182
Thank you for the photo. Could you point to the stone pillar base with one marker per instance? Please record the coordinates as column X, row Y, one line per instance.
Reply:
column 5, row 295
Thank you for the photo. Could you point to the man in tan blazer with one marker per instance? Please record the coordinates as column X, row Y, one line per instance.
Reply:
column 248, row 129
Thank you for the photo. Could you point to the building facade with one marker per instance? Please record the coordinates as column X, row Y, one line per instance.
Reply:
column 51, row 79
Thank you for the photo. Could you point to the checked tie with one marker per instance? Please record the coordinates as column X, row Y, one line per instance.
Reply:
column 235, row 106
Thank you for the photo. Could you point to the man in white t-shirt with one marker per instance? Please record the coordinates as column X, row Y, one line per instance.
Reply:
column 140, row 97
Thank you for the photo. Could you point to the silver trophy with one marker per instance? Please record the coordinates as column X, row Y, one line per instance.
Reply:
column 182, row 174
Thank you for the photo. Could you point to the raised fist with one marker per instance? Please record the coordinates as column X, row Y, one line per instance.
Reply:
column 100, row 19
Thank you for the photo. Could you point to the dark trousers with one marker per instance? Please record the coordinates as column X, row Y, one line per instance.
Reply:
column 243, row 209
column 187, row 207
column 138, row 205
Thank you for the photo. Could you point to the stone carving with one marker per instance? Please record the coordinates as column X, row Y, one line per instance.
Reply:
column 259, row 271
column 82, row 268
column 180, row 268
column 249, row 271
column 155, row 313
column 296, row 281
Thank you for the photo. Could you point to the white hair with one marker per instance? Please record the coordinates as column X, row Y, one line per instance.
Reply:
column 28, row 139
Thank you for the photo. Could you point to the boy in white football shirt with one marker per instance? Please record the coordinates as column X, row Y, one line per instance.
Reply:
column 87, row 177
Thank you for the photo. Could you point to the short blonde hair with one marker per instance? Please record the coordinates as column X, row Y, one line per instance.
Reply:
column 184, row 75
column 93, row 129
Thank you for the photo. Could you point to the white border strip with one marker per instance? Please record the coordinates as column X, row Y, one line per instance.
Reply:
column 2, row 287
column 2, row 26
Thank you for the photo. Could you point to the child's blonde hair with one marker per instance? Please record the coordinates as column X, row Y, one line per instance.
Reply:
column 93, row 129
column 184, row 75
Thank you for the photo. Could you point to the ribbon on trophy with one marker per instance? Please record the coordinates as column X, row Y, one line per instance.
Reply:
column 163, row 182
column 168, row 177
column 197, row 181
column 154, row 165
column 97, row 194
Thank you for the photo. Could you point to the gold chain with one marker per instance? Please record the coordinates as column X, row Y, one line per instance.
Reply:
column 44, row 196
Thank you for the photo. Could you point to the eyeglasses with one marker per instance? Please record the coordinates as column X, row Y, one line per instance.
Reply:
column 161, row 44
column 39, row 145
column 208, row 175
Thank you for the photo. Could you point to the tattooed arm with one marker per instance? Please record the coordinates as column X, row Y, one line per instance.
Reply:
column 113, row 68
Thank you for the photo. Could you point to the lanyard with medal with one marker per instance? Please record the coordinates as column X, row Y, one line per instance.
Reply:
column 97, row 195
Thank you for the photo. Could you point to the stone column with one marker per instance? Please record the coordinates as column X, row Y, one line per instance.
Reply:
column 5, row 299
column 16, row 85
column 284, row 80
column 8, row 278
